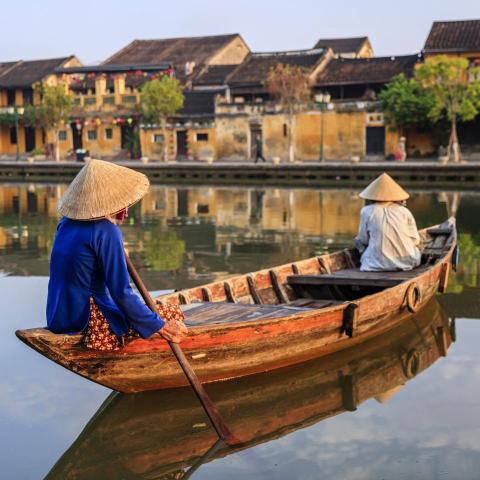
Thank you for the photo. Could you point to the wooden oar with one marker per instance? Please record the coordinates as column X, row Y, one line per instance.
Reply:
column 210, row 409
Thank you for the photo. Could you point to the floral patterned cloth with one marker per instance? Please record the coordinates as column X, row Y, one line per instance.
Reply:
column 99, row 335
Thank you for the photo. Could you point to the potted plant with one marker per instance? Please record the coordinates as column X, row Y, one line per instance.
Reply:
column 39, row 154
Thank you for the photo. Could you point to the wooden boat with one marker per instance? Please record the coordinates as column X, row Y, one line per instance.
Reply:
column 265, row 320
column 159, row 435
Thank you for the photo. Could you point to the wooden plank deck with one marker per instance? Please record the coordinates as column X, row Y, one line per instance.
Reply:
column 208, row 313
column 355, row 277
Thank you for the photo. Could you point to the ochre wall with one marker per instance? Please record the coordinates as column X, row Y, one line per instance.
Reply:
column 233, row 137
column 200, row 150
column 275, row 143
column 233, row 54
column 343, row 135
column 421, row 144
column 154, row 151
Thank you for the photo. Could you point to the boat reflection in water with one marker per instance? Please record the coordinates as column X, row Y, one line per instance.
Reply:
column 166, row 435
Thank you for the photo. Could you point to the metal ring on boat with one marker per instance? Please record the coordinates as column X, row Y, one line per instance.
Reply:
column 411, row 364
column 413, row 297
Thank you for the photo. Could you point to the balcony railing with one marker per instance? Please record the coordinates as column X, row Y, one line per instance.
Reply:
column 109, row 99
column 89, row 100
column 129, row 99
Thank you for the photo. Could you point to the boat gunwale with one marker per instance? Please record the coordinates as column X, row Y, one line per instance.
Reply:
column 197, row 330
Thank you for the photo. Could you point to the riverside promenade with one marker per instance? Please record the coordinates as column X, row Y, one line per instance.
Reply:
column 421, row 174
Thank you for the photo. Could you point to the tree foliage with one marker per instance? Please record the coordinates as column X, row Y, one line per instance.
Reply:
column 453, row 85
column 54, row 109
column 442, row 89
column 406, row 103
column 162, row 98
column 289, row 85
column 455, row 88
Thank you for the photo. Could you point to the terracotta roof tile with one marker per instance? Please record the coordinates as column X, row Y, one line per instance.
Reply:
column 460, row 36
column 254, row 70
column 342, row 71
column 178, row 51
column 26, row 73
column 342, row 45
column 214, row 75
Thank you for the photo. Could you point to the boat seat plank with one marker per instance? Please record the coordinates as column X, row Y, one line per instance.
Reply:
column 207, row 313
column 354, row 277
column 313, row 303
column 439, row 231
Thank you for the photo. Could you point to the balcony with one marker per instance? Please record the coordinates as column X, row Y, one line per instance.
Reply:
column 106, row 102
column 109, row 100
column 89, row 101
column 129, row 99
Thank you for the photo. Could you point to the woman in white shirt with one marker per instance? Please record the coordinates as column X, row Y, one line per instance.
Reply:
column 388, row 238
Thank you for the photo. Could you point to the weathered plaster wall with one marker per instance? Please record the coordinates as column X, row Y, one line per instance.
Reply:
column 233, row 137
column 233, row 54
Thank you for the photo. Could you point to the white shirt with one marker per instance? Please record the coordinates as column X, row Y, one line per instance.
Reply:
column 388, row 238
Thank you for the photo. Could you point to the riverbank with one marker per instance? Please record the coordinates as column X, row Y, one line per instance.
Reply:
column 424, row 174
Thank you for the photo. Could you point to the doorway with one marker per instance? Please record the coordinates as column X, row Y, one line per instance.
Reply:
column 375, row 140
column 182, row 150
column 76, row 137
column 29, row 139
column 130, row 141
column 255, row 130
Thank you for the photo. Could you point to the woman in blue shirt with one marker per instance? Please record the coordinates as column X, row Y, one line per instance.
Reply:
column 89, row 282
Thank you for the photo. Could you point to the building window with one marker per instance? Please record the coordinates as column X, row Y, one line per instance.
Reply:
column 11, row 97
column 28, row 96
column 202, row 137
column 62, row 135
column 285, row 130
column 13, row 136
column 91, row 135
column 108, row 133
column 157, row 138
column 203, row 208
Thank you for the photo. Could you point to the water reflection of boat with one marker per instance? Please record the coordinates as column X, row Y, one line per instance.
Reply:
column 159, row 435
column 265, row 320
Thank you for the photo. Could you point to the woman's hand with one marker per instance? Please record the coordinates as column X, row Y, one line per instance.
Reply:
column 174, row 331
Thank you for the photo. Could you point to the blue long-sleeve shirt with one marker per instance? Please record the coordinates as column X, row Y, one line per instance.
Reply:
column 88, row 260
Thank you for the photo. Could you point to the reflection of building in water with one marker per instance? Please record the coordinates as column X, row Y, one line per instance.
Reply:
column 28, row 221
column 306, row 212
column 31, row 199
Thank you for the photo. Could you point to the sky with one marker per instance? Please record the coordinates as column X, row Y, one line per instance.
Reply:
column 95, row 29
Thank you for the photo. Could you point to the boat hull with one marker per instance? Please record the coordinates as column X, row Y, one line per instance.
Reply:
column 156, row 434
column 228, row 350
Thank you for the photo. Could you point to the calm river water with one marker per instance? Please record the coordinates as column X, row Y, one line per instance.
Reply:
column 361, row 414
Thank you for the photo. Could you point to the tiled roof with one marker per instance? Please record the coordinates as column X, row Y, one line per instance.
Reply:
column 178, row 51
column 462, row 35
column 214, row 75
column 5, row 66
column 342, row 71
column 254, row 70
column 198, row 103
column 342, row 45
column 26, row 73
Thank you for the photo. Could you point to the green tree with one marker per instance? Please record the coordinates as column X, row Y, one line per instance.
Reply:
column 164, row 251
column 455, row 88
column 289, row 84
column 406, row 103
column 162, row 99
column 54, row 109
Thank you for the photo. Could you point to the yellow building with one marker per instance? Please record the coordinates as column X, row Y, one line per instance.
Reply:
column 351, row 47
column 16, row 92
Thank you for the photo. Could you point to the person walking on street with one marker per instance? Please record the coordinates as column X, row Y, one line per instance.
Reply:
column 258, row 148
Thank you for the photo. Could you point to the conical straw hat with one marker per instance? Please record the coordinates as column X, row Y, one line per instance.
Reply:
column 101, row 189
column 384, row 189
